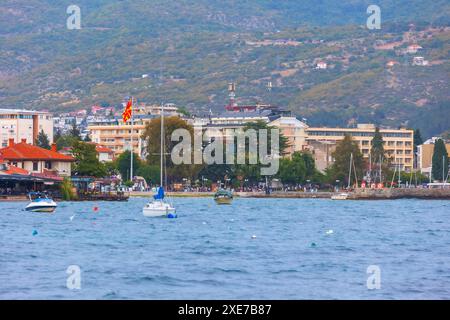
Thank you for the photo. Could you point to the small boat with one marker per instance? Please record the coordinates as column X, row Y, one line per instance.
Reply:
column 158, row 207
column 340, row 196
column 41, row 203
column 223, row 197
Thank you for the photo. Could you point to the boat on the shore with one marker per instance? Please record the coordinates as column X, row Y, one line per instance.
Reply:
column 340, row 196
column 223, row 197
column 41, row 203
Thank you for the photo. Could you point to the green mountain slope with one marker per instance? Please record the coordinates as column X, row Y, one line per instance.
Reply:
column 190, row 49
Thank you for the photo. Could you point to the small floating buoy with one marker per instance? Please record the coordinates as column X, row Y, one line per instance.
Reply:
column 313, row 245
column 171, row 216
column 329, row 231
column 35, row 232
column 95, row 209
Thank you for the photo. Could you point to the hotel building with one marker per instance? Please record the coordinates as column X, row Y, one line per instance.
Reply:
column 398, row 143
column 117, row 135
column 24, row 124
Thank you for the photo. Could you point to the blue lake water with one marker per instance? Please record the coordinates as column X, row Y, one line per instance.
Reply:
column 209, row 252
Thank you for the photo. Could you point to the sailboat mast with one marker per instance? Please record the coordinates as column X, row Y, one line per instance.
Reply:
column 162, row 143
column 350, row 171
column 131, row 140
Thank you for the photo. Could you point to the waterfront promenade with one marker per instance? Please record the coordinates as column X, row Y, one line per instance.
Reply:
column 358, row 194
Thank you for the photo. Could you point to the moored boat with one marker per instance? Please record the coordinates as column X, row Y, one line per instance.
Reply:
column 340, row 196
column 158, row 207
column 223, row 197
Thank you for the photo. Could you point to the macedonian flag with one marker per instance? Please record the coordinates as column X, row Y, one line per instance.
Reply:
column 126, row 115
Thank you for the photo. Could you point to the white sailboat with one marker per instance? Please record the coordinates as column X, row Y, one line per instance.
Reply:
column 158, row 207
column 345, row 195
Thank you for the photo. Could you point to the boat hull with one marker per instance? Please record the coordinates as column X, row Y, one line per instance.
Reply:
column 223, row 200
column 339, row 197
column 46, row 209
column 159, row 209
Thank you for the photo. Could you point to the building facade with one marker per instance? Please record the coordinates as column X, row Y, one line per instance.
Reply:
column 24, row 124
column 425, row 155
column 398, row 143
column 118, row 136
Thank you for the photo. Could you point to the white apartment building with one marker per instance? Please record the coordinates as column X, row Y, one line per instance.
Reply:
column 24, row 124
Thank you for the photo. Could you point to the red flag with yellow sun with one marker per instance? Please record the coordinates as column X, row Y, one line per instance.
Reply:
column 126, row 115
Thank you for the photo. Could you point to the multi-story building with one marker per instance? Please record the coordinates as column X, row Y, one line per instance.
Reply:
column 24, row 124
column 398, row 143
column 117, row 135
column 425, row 155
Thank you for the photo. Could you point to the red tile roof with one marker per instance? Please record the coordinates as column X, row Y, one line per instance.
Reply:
column 101, row 149
column 23, row 151
column 14, row 170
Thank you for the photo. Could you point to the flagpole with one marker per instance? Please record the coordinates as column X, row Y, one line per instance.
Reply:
column 131, row 139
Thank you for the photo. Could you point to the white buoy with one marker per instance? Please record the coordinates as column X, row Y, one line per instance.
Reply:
column 329, row 231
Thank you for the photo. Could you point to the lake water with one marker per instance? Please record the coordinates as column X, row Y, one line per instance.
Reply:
column 211, row 252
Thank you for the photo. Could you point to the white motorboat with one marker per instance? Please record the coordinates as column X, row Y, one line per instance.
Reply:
column 158, row 207
column 340, row 196
column 41, row 203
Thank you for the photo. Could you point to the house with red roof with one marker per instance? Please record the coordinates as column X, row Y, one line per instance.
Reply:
column 8, row 169
column 36, row 160
column 104, row 154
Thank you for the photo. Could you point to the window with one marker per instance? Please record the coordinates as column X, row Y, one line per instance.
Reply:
column 365, row 143
column 48, row 165
column 35, row 166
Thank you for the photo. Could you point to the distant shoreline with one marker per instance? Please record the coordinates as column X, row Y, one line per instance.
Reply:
column 358, row 194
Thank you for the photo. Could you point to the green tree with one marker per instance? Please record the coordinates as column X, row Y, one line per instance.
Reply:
column 57, row 135
column 149, row 173
column 377, row 150
column 293, row 170
column 42, row 140
column 252, row 172
column 310, row 166
column 342, row 154
column 417, row 139
column 152, row 135
column 75, row 132
column 440, row 161
column 124, row 164
column 111, row 168
column 65, row 141
column 86, row 161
